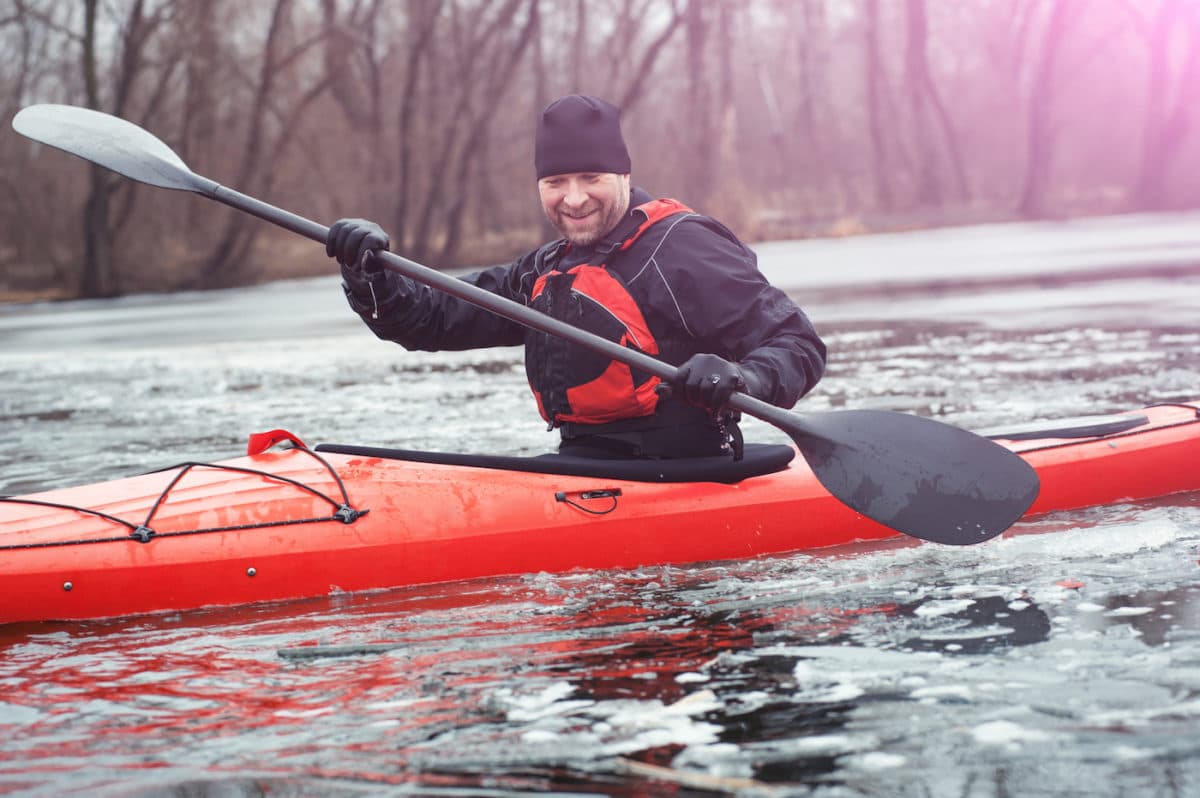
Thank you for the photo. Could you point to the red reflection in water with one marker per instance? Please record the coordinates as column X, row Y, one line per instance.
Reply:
column 230, row 691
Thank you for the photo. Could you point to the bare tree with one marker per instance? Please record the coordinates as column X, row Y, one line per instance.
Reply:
column 420, row 40
column 875, row 78
column 98, row 278
column 1166, row 121
column 931, row 123
column 272, row 116
column 1040, row 134
column 701, row 110
column 643, row 66
column 483, row 64
column 496, row 87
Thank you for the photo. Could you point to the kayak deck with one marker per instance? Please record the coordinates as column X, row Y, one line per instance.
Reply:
column 1154, row 457
column 300, row 523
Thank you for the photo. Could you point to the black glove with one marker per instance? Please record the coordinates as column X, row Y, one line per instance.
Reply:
column 708, row 381
column 353, row 242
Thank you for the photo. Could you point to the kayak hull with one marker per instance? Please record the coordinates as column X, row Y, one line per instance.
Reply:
column 272, row 526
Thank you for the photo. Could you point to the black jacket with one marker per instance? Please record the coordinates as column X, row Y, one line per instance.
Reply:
column 700, row 291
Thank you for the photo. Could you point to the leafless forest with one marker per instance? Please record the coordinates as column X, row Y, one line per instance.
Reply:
column 784, row 118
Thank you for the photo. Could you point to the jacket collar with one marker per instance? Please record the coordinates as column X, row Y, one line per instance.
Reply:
column 615, row 237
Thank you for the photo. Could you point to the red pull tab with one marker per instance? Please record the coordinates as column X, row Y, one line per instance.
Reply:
column 261, row 441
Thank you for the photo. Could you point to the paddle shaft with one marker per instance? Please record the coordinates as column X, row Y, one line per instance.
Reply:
column 513, row 311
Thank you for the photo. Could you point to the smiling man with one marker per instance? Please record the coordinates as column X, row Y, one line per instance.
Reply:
column 584, row 205
column 651, row 274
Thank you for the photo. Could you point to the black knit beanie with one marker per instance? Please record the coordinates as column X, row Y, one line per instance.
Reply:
column 580, row 134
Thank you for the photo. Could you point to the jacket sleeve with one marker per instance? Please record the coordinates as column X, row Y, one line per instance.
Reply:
column 418, row 317
column 728, row 308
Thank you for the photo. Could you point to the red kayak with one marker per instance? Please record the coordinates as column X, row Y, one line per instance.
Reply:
column 297, row 523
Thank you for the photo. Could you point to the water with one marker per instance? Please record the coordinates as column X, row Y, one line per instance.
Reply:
column 1061, row 659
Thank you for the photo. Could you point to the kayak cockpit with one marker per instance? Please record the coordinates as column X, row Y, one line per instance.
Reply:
column 757, row 459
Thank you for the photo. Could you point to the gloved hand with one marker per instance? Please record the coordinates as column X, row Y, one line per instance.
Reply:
column 353, row 243
column 708, row 381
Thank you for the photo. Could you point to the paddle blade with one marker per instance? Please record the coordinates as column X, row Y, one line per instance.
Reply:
column 108, row 141
column 918, row 476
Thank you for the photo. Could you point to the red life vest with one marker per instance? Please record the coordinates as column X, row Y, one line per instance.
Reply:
column 573, row 384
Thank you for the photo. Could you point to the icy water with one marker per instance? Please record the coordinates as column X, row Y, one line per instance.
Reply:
column 1060, row 659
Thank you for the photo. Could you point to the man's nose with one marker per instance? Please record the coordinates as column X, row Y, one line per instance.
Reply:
column 575, row 195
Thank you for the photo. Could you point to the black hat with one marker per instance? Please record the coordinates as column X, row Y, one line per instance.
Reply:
column 580, row 134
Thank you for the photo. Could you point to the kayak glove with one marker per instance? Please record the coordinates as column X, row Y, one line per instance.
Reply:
column 709, row 381
column 353, row 242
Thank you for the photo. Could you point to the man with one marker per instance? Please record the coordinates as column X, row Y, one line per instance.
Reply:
column 650, row 274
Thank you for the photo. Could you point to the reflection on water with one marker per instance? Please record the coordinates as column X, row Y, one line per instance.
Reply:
column 845, row 669
column 1063, row 655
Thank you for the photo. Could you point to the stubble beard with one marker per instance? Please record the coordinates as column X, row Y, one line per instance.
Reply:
column 610, row 216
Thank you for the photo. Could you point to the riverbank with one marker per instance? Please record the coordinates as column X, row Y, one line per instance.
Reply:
column 972, row 252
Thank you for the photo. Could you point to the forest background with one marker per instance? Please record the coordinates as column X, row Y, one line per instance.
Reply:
column 783, row 118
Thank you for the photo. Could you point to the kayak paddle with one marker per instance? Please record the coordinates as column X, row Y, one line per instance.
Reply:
column 918, row 476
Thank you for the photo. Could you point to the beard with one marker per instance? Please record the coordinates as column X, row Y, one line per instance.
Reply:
column 597, row 222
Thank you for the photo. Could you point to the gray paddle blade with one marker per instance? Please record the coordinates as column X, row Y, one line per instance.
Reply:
column 918, row 476
column 108, row 141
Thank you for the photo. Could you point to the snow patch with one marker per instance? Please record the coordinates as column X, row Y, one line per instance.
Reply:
column 934, row 609
column 959, row 692
column 1005, row 732
column 1123, row 612
column 875, row 761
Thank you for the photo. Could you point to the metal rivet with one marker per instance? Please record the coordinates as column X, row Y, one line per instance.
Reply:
column 67, row 586
column 251, row 572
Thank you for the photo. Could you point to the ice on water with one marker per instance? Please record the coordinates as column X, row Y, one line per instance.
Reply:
column 1064, row 654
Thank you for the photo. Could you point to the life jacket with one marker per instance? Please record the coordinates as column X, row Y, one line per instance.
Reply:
column 573, row 384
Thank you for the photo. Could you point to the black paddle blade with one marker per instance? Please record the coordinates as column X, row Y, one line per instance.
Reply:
column 108, row 141
column 918, row 476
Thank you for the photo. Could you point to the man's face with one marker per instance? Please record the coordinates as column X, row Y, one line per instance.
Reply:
column 583, row 206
